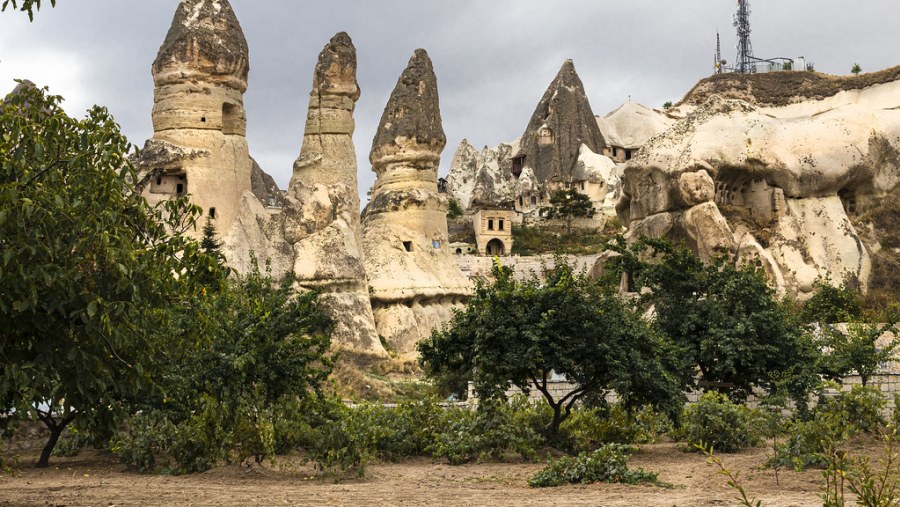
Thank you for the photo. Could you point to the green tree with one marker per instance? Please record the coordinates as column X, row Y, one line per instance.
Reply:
column 830, row 304
column 241, row 359
column 28, row 6
column 518, row 333
column 857, row 350
column 569, row 204
column 454, row 210
column 85, row 264
column 856, row 69
column 724, row 319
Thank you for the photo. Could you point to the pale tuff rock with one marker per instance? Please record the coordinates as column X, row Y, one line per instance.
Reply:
column 561, row 123
column 200, row 75
column 482, row 179
column 413, row 279
column 323, row 223
column 631, row 125
column 789, row 179
column 264, row 187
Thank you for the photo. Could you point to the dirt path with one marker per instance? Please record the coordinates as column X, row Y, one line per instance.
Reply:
column 98, row 480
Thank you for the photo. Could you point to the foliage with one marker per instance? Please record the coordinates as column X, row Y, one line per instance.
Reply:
column 569, row 204
column 241, row 358
column 857, row 350
column 86, row 267
column 733, row 477
column 667, row 105
column 454, row 210
column 812, row 443
column 607, row 464
column 28, row 6
column 587, row 429
column 717, row 422
column 518, row 333
column 496, row 429
column 830, row 304
column 724, row 319
column 541, row 239
column 877, row 488
column 856, row 69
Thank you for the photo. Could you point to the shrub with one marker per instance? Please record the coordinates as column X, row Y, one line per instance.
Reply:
column 493, row 431
column 715, row 421
column 607, row 464
column 588, row 428
column 812, row 443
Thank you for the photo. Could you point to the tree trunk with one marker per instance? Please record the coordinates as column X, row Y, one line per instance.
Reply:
column 55, row 432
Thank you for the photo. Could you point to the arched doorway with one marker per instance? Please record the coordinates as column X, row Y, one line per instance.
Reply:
column 495, row 247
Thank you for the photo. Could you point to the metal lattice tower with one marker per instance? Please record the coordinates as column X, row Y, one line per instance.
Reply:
column 745, row 59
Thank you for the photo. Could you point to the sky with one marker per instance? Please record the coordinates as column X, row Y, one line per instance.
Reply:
column 493, row 58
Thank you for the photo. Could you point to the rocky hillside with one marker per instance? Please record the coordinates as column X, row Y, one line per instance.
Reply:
column 783, row 88
column 780, row 169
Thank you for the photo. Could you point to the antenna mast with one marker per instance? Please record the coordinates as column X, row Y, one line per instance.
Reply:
column 745, row 59
column 718, row 63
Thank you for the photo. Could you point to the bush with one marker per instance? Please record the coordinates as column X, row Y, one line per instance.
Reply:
column 811, row 443
column 495, row 430
column 607, row 464
column 588, row 428
column 715, row 421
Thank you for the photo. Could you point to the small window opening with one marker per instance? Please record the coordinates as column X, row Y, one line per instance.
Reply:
column 582, row 185
column 159, row 180
column 518, row 164
column 407, row 245
column 627, row 154
column 490, row 225
column 179, row 189
column 212, row 212
column 500, row 225
column 203, row 120
column 521, row 201
column 533, row 200
column 459, row 251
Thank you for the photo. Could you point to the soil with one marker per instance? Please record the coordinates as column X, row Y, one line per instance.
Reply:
column 98, row 479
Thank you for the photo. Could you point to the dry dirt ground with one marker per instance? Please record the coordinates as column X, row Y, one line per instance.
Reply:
column 98, row 479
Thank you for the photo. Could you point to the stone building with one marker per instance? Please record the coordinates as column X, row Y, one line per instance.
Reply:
column 628, row 128
column 493, row 231
column 199, row 146
column 414, row 281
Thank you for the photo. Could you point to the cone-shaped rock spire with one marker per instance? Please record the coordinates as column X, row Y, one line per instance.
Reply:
column 205, row 38
column 561, row 123
column 412, row 115
column 321, row 219
column 413, row 279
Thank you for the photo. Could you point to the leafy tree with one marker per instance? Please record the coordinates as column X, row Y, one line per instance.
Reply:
column 454, row 210
column 84, row 265
column 831, row 304
column 857, row 350
column 518, row 333
column 667, row 105
column 724, row 319
column 569, row 204
column 856, row 69
column 240, row 359
column 28, row 6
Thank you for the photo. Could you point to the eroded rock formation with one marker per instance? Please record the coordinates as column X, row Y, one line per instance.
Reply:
column 780, row 186
column 414, row 282
column 200, row 76
column 327, row 249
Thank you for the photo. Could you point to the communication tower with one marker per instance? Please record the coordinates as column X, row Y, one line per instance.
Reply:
column 745, row 59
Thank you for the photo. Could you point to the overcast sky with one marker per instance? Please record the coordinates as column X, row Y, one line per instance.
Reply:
column 493, row 58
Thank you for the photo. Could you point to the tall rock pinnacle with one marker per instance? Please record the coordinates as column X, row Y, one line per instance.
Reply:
column 561, row 123
column 321, row 220
column 414, row 282
column 199, row 146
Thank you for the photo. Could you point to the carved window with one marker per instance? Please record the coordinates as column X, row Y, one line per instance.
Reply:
column 212, row 213
column 490, row 224
column 407, row 245
column 501, row 225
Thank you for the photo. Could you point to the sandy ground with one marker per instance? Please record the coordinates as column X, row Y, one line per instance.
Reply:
column 98, row 479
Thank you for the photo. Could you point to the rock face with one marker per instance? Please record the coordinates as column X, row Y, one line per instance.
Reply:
column 414, row 282
column 781, row 186
column 561, row 123
column 326, row 234
column 200, row 76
